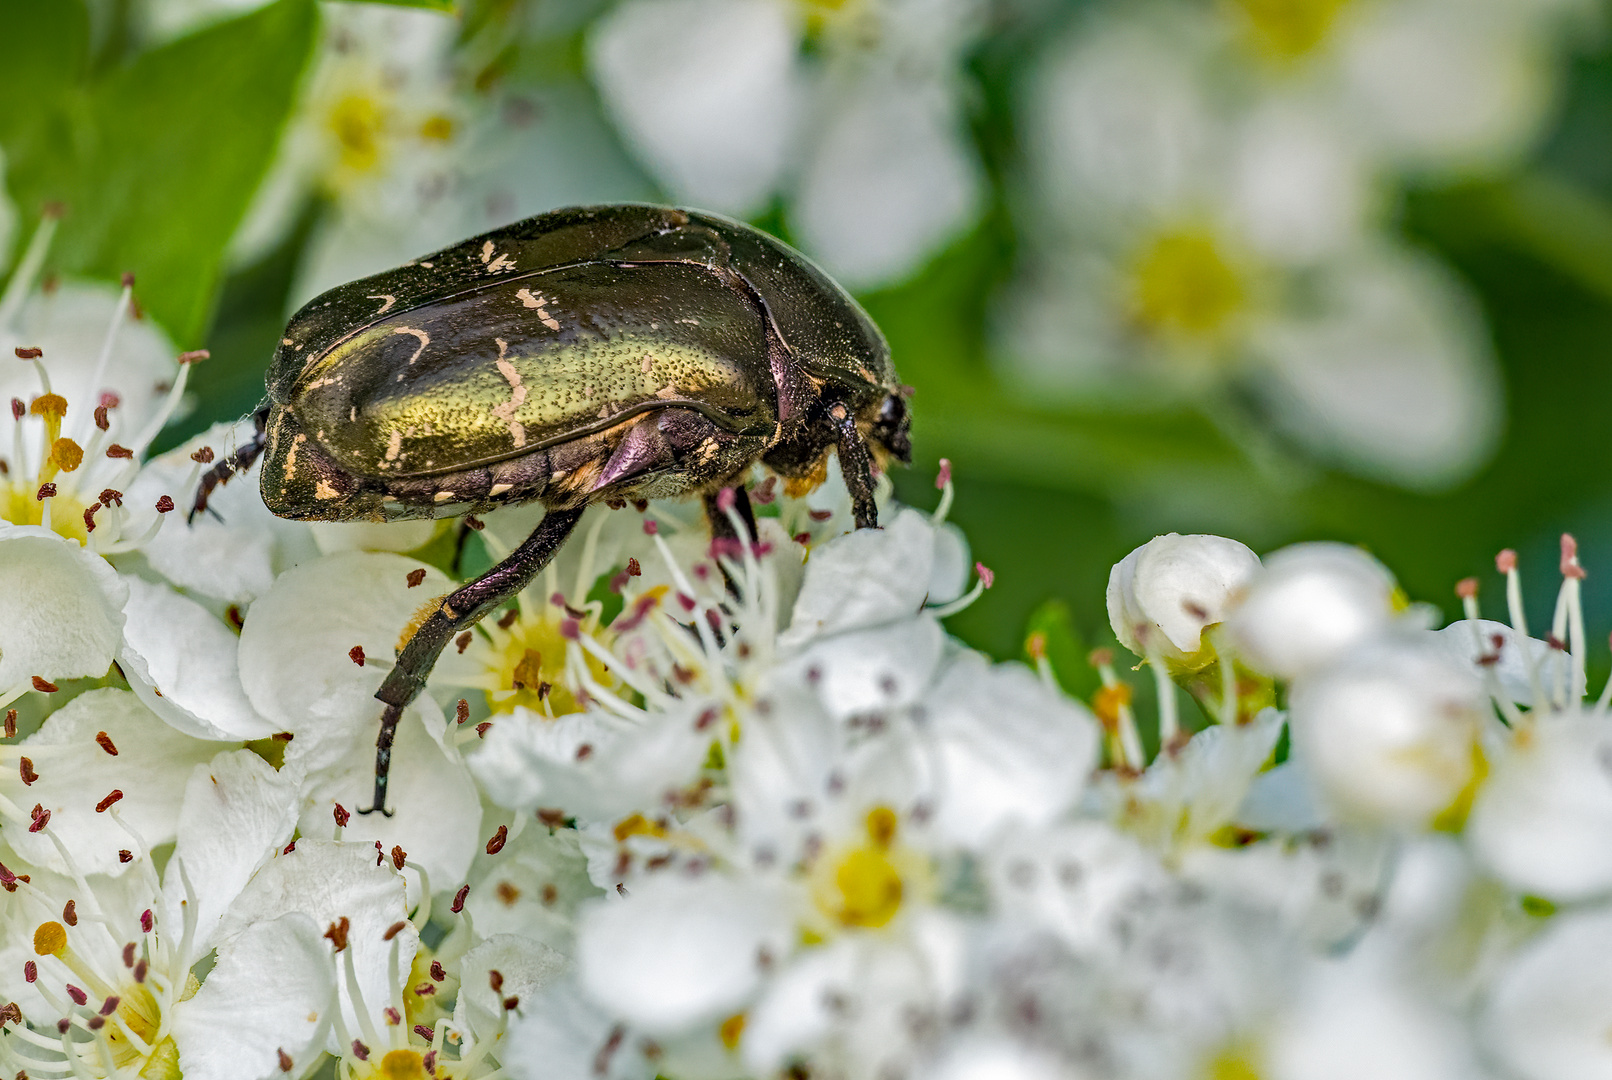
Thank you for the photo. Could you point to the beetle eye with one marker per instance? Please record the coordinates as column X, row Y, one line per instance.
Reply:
column 892, row 410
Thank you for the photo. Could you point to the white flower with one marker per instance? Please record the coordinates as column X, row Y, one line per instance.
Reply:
column 1549, row 1010
column 1391, row 733
column 1309, row 604
column 1163, row 595
column 866, row 141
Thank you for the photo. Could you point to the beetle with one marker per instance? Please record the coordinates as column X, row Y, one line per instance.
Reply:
column 600, row 353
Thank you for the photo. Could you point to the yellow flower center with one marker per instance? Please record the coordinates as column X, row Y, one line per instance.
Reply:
column 50, row 938
column 865, row 885
column 358, row 121
column 402, row 1065
column 1183, row 285
column 1289, row 29
column 527, row 665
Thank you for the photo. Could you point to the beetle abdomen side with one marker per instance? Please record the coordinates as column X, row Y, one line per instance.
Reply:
column 534, row 363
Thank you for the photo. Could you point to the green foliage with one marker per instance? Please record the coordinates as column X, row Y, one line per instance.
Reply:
column 153, row 157
column 450, row 6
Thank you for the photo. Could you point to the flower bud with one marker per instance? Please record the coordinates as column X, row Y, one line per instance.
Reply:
column 1389, row 734
column 1308, row 605
column 1162, row 595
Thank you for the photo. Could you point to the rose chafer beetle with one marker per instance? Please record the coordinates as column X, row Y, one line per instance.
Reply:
column 592, row 354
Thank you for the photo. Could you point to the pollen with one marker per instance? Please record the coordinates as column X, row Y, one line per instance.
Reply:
column 731, row 1030
column 881, row 825
column 50, row 406
column 66, row 455
column 50, row 939
column 403, row 1064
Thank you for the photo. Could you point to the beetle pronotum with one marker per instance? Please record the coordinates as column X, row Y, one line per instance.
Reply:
column 592, row 354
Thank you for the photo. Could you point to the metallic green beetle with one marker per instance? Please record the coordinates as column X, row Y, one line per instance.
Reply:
column 593, row 354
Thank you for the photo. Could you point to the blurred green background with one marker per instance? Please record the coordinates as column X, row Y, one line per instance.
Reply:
column 155, row 133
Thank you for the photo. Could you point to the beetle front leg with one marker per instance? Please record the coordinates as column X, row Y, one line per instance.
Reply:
column 458, row 612
column 856, row 464
column 242, row 459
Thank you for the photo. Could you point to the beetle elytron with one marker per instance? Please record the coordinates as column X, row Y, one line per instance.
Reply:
column 592, row 354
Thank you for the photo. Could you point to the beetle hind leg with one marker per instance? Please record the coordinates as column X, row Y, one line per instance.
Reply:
column 457, row 612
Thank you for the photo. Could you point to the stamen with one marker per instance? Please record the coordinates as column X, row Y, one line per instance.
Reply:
column 496, row 843
column 105, row 742
column 459, row 899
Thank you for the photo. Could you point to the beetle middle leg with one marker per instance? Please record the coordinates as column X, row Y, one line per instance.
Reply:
column 242, row 459
column 459, row 611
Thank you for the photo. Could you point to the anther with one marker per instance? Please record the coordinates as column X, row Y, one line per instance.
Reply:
column 46, row 491
column 28, row 352
column 112, row 796
column 943, row 477
column 341, row 815
column 393, row 1017
column 192, row 357
column 125, row 855
column 126, row 279
column 459, row 899
column 360, row 1051
column 18, row 409
column 128, row 955
column 437, row 972
column 725, row 499
column 11, row 1013
column 507, row 619
column 462, row 642
column 415, row 576
column 102, row 421
column 987, row 578
column 337, row 933
column 650, row 527
column 89, row 517
column 424, row 1032
column 111, row 497
column 70, row 913
column 486, row 725
column 11, row 723
column 1466, row 588
column 30, row 971
column 62, row 1025
column 394, row 930
column 109, row 400
column 147, row 922
column 110, row 1005
column 461, row 711
column 474, row 522
column 356, row 655
column 165, row 505
column 496, row 844
column 425, row 989
column 79, row 997
column 26, row 767
column 116, row 451
column 495, row 979
column 1570, row 564
column 399, row 857
column 95, row 1023
column 1506, row 561
column 105, row 742
column 141, row 966
column 286, row 1064
column 40, row 818
column 44, row 686
column 429, row 1062
column 820, row 515
column 204, row 456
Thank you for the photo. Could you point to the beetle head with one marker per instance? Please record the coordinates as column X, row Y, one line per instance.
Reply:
column 891, row 430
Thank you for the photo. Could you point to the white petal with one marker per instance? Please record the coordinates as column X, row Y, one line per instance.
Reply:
column 151, row 768
column 1300, row 190
column 327, row 882
column 996, row 1059
column 181, row 661
column 436, row 814
column 399, row 536
column 865, row 671
column 1551, row 1008
column 294, row 648
column 61, row 608
column 1171, row 588
column 705, row 91
column 233, row 556
column 864, row 578
column 1309, row 604
column 1541, row 820
column 238, row 811
column 1006, row 748
column 679, row 952
column 796, row 1010
column 270, row 991
column 1389, row 374
column 526, row 968
column 1497, row 648
column 891, row 180
column 560, row 1035
column 532, row 887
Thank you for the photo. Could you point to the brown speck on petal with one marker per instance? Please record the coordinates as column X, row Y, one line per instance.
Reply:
column 337, row 933
column 496, row 844
column 111, row 797
column 415, row 576
column 105, row 741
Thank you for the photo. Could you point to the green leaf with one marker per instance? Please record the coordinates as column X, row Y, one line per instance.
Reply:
column 157, row 159
column 450, row 6
column 1053, row 633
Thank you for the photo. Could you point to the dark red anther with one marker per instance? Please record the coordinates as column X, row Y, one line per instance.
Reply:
column 570, row 630
column 725, row 499
column 79, row 997
column 127, row 279
column 18, row 409
column 399, row 857
column 125, row 855
column 459, row 899
column 46, row 491
column 461, row 711
column 415, row 576
column 619, row 581
column 496, row 844
column 474, row 522
column 584, row 751
column 987, row 578
column 110, row 1005
column 26, row 767
column 341, row 815
column 70, row 913
column 393, row 1017
column 63, row 1024
column 140, row 969
column 943, row 477
column 360, row 1051
column 820, row 515
column 105, row 742
column 102, row 421
column 425, row 989
column 111, row 497
column 286, row 1064
column 11, row 723
column 511, row 1003
column 128, row 955
column 116, row 451
column 40, row 818
column 429, row 1062
column 147, row 923
column 687, row 601
column 803, row 539
column 356, row 655
column 89, row 517
column 28, row 352
column 292, row 846
column 109, row 400
column 487, row 725
column 44, row 686
column 462, row 642
column 30, row 972
column 706, row 719
column 495, row 979
column 650, row 527
column 11, row 1013
column 424, row 1032
column 766, row 491
column 193, row 356
column 165, row 505
column 437, row 971
column 336, row 932
column 112, row 797
column 395, row 929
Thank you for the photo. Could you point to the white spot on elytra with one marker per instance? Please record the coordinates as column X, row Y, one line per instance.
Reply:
column 322, row 490
column 424, row 338
column 390, row 300
column 538, row 302
column 394, row 445
column 495, row 265
column 291, row 456
column 648, row 363
column 517, row 395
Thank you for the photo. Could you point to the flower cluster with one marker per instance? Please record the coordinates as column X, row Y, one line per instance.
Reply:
column 707, row 809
